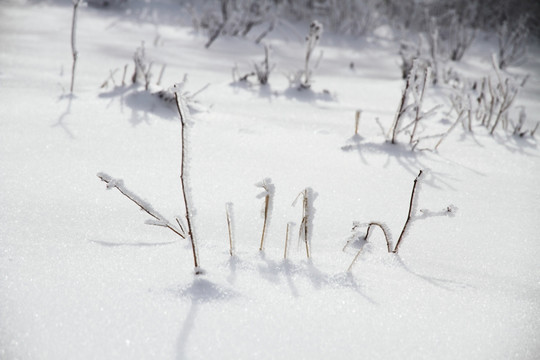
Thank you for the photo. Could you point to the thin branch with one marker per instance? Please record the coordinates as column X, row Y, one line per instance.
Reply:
column 266, row 203
column 411, row 203
column 183, row 119
column 74, row 52
column 144, row 207
column 229, row 227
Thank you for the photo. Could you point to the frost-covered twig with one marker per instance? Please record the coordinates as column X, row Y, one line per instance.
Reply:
column 445, row 134
column 159, row 220
column 415, row 87
column 409, row 214
column 418, row 93
column 408, row 52
column 263, row 71
column 312, row 39
column 183, row 113
column 161, row 74
column 74, row 52
column 401, row 109
column 308, row 211
column 228, row 211
column 505, row 92
column 268, row 194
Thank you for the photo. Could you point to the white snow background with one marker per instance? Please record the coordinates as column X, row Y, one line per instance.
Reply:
column 83, row 277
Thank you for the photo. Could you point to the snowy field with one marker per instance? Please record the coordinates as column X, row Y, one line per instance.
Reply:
column 83, row 277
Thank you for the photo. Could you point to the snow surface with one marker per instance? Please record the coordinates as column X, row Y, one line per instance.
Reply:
column 82, row 276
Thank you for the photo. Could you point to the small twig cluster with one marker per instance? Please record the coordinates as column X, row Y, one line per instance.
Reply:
column 142, row 68
column 308, row 211
column 260, row 70
column 488, row 102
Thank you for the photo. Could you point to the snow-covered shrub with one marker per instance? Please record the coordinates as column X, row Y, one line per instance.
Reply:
column 460, row 36
column 512, row 40
column 351, row 17
column 232, row 17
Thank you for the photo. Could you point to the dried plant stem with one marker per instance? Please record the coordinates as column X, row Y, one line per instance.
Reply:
column 304, row 224
column 533, row 131
column 161, row 74
column 182, row 181
column 443, row 136
column 229, row 227
column 411, row 203
column 74, row 52
column 401, row 110
column 354, row 260
column 419, row 104
column 307, row 216
column 266, row 206
column 124, row 75
column 357, row 121
column 286, row 241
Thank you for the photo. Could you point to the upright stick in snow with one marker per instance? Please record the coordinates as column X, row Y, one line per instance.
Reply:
column 183, row 114
column 409, row 215
column 289, row 226
column 228, row 211
column 74, row 51
column 308, row 211
column 268, row 194
column 315, row 32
